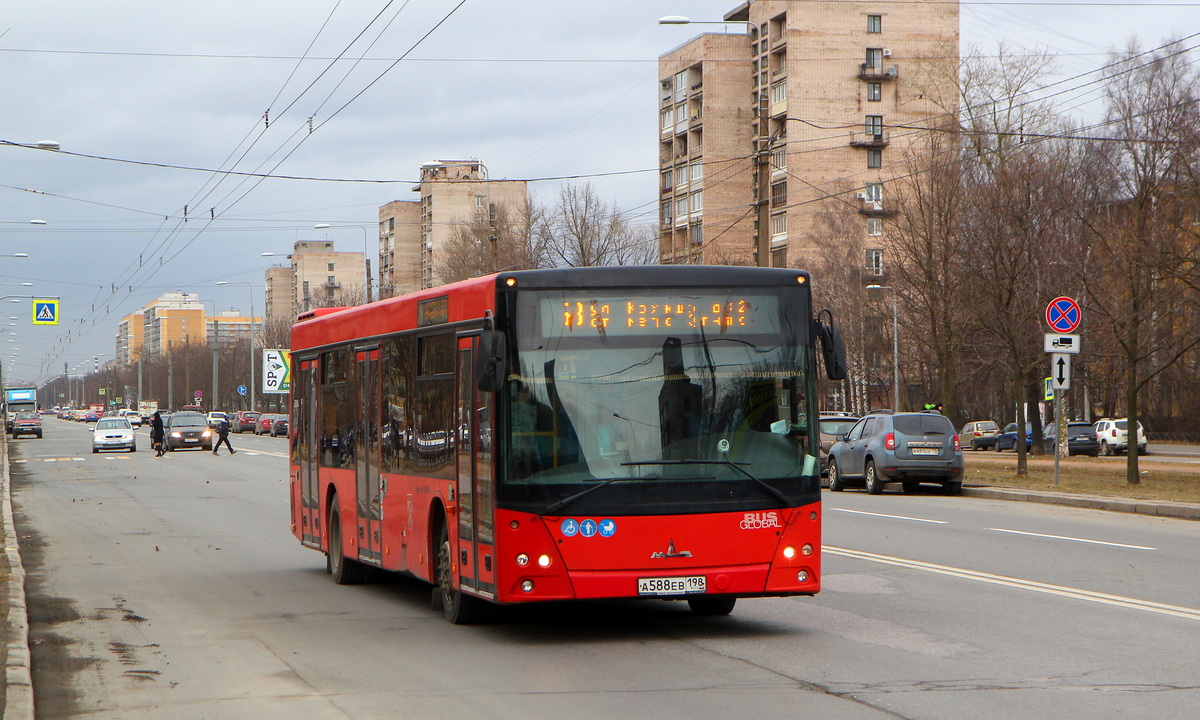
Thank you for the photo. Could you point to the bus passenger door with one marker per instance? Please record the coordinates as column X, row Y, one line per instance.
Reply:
column 473, row 452
column 306, row 435
column 366, row 457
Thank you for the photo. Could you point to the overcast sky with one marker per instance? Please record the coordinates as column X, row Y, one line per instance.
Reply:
column 536, row 89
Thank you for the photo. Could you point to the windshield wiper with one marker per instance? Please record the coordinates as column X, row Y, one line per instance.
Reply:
column 559, row 504
column 787, row 502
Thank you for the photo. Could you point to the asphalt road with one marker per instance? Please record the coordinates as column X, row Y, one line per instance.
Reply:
column 171, row 588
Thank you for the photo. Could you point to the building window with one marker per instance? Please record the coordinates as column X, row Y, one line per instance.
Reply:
column 696, row 233
column 874, row 58
column 874, row 23
column 874, row 92
column 681, row 207
column 330, row 267
column 874, row 125
column 875, row 261
column 666, row 212
column 666, row 120
column 666, row 179
column 779, row 257
column 697, row 170
column 681, row 175
column 874, row 192
column 874, row 227
column 779, row 92
column 779, row 194
column 779, row 227
column 697, row 202
column 680, row 85
column 779, row 158
column 874, row 158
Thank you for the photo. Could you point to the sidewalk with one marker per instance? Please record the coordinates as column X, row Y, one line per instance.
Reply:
column 18, row 681
column 1161, row 508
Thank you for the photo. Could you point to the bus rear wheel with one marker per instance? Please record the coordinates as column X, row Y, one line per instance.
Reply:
column 711, row 605
column 460, row 609
column 344, row 570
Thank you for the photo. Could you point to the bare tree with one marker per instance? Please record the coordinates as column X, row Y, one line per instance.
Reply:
column 1140, row 220
column 504, row 241
column 582, row 230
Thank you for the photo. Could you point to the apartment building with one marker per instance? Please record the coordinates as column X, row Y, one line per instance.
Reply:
column 801, row 125
column 130, row 335
column 229, row 328
column 174, row 319
column 413, row 234
column 317, row 275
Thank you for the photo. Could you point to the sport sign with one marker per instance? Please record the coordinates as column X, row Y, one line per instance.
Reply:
column 1062, row 315
column 277, row 371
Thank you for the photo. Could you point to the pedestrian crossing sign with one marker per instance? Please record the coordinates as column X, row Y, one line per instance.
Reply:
column 45, row 312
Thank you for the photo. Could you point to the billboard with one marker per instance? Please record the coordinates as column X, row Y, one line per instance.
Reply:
column 277, row 371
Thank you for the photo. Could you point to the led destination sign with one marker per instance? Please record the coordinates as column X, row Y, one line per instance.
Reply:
column 654, row 314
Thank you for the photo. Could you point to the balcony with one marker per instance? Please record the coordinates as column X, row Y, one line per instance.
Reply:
column 869, row 140
column 871, row 208
column 876, row 73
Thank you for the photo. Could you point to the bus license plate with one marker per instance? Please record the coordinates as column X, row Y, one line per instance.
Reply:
column 924, row 451
column 672, row 585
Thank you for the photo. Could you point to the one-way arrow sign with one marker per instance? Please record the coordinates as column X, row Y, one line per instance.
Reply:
column 1060, row 371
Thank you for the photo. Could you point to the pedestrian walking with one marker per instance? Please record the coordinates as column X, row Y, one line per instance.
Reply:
column 223, row 436
column 157, row 433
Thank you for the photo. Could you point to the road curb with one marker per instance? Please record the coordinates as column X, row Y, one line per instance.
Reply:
column 1160, row 508
column 18, row 679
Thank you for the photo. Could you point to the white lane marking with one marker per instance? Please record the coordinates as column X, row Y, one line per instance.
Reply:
column 1072, row 539
column 1103, row 598
column 894, row 517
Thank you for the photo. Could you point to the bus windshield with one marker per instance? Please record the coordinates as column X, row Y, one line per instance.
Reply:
column 669, row 400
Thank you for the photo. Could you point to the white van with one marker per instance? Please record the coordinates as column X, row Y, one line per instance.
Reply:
column 1113, row 436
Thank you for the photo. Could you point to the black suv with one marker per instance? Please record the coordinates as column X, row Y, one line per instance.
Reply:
column 909, row 448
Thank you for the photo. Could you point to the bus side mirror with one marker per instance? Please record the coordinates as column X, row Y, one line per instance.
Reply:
column 833, row 350
column 489, row 365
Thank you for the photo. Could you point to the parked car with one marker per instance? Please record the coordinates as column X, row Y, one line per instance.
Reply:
column 26, row 423
column 113, row 432
column 832, row 428
column 980, row 435
column 263, row 426
column 1081, row 440
column 187, row 430
column 1113, row 436
column 279, row 428
column 244, row 420
column 215, row 417
column 907, row 447
column 1007, row 439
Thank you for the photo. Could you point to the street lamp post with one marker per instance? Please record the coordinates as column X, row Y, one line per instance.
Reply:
column 895, row 344
column 251, row 287
column 366, row 249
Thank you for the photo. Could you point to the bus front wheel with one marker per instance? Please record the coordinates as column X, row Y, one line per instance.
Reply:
column 460, row 609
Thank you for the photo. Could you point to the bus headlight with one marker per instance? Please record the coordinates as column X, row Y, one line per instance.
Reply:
column 527, row 585
column 544, row 561
column 522, row 559
column 807, row 550
column 802, row 576
column 789, row 552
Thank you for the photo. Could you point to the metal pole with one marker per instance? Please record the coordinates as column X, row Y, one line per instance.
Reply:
column 1058, row 432
column 251, row 346
column 895, row 353
column 214, row 390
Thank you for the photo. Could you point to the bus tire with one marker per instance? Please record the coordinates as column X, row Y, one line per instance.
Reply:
column 345, row 571
column 711, row 605
column 460, row 609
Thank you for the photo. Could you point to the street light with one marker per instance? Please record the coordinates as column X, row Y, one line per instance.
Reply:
column 39, row 145
column 895, row 345
column 684, row 20
column 35, row 221
column 251, row 287
column 366, row 250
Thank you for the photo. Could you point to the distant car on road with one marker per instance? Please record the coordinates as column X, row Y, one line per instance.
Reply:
column 1113, row 436
column 215, row 417
column 113, row 432
column 1081, row 440
column 26, row 423
column 980, row 435
column 832, row 428
column 188, row 430
column 265, row 421
column 1007, row 440
column 279, row 428
column 244, row 420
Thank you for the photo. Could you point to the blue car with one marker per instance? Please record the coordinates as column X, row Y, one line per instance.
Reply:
column 1007, row 440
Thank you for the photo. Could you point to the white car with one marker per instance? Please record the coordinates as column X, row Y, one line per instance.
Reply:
column 113, row 433
column 215, row 417
column 133, row 417
column 1113, row 436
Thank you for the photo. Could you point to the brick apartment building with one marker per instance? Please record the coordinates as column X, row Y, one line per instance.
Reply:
column 812, row 109
column 414, row 233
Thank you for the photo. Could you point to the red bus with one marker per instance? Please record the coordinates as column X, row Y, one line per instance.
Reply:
column 542, row 435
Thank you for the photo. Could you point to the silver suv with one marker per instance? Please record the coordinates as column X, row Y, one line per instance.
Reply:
column 909, row 448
